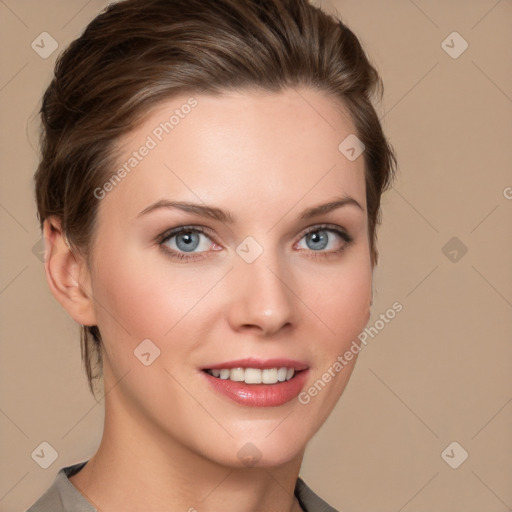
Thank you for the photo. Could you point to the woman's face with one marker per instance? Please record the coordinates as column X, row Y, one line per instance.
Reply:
column 253, row 275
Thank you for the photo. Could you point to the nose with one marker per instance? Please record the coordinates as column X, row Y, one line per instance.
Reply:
column 262, row 297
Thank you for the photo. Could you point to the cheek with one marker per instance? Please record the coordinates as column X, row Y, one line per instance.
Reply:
column 341, row 300
column 139, row 298
column 129, row 297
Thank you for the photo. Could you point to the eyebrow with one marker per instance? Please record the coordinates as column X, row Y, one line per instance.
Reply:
column 226, row 217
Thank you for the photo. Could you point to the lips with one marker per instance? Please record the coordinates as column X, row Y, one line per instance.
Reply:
column 258, row 394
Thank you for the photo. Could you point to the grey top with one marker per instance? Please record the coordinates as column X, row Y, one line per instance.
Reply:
column 63, row 496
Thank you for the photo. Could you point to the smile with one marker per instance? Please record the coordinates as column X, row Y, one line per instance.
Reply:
column 254, row 375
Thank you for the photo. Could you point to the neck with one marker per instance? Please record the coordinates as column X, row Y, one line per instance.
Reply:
column 139, row 467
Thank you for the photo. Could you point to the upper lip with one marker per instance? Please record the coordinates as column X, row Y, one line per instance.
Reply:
column 252, row 362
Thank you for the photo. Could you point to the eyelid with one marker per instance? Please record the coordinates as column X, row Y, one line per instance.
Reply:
column 166, row 235
column 327, row 227
column 172, row 232
column 179, row 256
column 208, row 232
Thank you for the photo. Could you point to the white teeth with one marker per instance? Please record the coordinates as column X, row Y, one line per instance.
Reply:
column 281, row 374
column 237, row 374
column 269, row 376
column 254, row 375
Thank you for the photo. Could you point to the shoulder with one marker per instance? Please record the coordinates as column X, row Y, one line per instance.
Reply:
column 62, row 495
column 309, row 501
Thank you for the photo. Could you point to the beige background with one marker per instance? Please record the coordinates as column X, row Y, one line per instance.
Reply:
column 437, row 373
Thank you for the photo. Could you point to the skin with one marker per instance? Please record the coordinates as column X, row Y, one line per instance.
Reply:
column 168, row 437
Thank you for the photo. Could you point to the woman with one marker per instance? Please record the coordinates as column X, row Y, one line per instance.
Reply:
column 209, row 192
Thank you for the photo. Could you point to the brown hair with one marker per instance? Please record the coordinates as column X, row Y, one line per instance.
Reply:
column 137, row 53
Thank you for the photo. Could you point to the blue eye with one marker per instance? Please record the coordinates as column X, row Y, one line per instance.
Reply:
column 326, row 239
column 193, row 244
column 186, row 240
column 317, row 240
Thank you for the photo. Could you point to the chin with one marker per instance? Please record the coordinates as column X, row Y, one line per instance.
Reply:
column 263, row 451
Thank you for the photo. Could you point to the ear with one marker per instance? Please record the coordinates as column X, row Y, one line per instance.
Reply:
column 67, row 274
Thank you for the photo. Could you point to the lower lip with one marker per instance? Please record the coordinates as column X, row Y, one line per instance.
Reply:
column 259, row 395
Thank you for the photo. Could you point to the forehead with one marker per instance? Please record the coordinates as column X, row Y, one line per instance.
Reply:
column 239, row 148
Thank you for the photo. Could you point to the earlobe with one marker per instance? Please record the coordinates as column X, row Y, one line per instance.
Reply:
column 67, row 274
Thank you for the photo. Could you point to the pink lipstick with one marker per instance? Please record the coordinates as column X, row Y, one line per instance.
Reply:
column 256, row 382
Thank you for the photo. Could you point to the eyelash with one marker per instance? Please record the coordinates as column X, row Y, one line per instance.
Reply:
column 165, row 237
